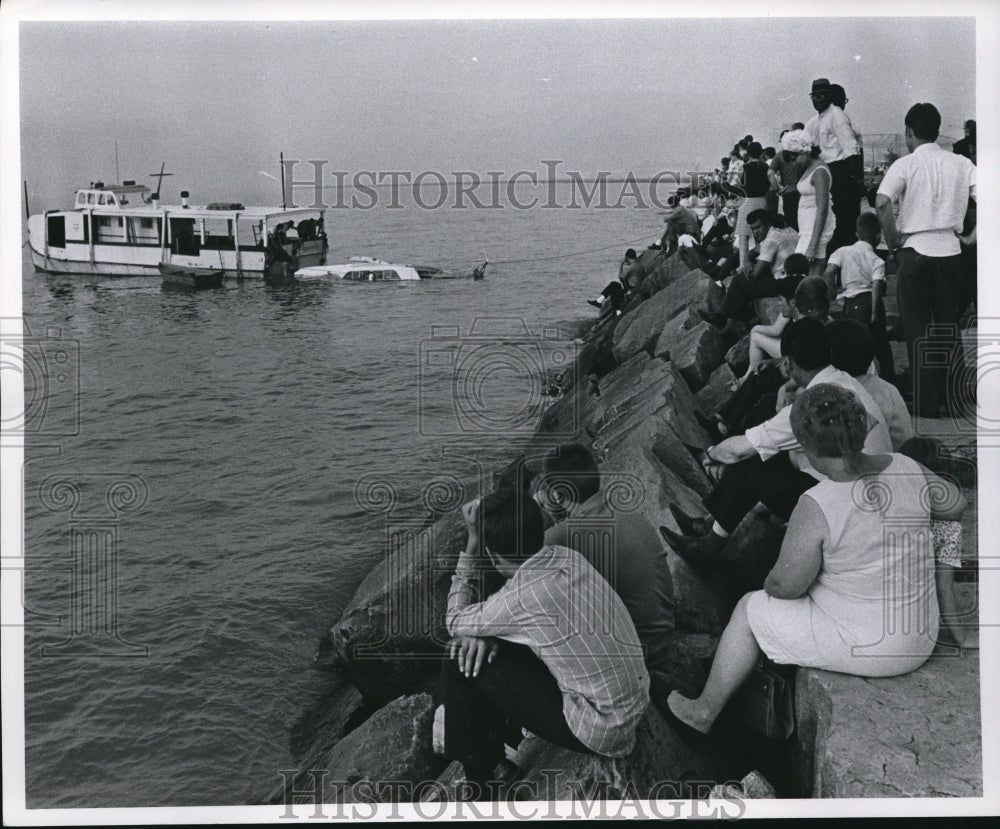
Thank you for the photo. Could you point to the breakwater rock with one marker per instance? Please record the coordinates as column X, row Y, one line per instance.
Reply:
column 642, row 384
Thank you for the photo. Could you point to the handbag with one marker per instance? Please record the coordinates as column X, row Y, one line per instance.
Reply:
column 765, row 703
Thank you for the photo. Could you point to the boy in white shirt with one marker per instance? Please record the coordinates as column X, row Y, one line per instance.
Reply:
column 857, row 274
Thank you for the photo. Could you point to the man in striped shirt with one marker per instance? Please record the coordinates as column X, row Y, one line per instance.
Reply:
column 553, row 650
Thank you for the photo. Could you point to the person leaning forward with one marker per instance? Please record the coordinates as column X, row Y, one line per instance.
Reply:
column 620, row 544
column 553, row 650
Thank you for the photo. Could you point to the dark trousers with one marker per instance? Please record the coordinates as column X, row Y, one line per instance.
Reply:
column 928, row 307
column 968, row 292
column 790, row 207
column 616, row 292
column 739, row 409
column 516, row 689
column 859, row 307
column 846, row 202
column 774, row 482
column 741, row 292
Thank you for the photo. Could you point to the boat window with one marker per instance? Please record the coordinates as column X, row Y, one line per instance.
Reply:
column 91, row 198
column 112, row 199
column 55, row 234
column 102, row 198
column 146, row 223
column 81, row 198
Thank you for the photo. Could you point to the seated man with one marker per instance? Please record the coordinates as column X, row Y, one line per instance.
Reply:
column 767, row 463
column 852, row 349
column 759, row 279
column 622, row 546
column 568, row 666
column 680, row 220
column 618, row 292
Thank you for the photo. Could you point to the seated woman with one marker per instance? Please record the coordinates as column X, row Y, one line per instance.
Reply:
column 844, row 595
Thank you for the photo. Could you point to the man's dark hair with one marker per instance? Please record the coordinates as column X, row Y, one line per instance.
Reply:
column 852, row 346
column 512, row 524
column 630, row 253
column 869, row 223
column 755, row 150
column 924, row 120
column 798, row 125
column 571, row 471
column 813, row 294
column 796, row 263
column 807, row 343
column 760, row 215
column 770, row 152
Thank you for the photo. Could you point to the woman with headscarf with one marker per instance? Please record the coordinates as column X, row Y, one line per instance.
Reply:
column 816, row 219
column 853, row 589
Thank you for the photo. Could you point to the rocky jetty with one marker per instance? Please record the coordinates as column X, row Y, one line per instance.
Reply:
column 639, row 385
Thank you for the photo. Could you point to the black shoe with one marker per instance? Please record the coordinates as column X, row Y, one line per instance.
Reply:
column 691, row 550
column 691, row 525
column 594, row 302
column 718, row 320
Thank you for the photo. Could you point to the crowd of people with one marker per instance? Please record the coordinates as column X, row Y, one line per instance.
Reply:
column 562, row 608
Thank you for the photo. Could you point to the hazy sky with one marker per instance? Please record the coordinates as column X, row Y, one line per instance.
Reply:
column 218, row 101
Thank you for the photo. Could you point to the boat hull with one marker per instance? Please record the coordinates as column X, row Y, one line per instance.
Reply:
column 125, row 260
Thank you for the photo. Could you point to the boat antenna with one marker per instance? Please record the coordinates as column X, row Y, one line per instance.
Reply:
column 281, row 162
column 118, row 174
column 159, row 179
column 27, row 210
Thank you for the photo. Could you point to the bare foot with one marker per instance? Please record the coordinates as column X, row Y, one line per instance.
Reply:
column 689, row 712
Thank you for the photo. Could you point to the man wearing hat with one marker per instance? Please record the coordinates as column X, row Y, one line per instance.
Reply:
column 831, row 131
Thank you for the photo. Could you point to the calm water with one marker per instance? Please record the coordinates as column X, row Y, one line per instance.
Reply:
column 245, row 418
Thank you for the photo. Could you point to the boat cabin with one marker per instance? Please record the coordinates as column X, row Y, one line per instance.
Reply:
column 113, row 195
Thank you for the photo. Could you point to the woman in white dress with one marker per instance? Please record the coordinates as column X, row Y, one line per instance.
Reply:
column 816, row 219
column 853, row 588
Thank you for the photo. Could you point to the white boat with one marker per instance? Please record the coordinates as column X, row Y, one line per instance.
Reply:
column 122, row 229
column 366, row 269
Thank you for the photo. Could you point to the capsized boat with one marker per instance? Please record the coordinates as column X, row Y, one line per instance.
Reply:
column 123, row 230
column 366, row 269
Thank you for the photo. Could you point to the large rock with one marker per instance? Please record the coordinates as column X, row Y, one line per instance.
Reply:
column 662, row 392
column 696, row 352
column 394, row 745
column 391, row 634
column 659, row 767
column 667, row 270
column 916, row 735
column 717, row 390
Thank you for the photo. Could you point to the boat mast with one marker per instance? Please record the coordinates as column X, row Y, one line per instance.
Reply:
column 159, row 179
column 118, row 174
column 281, row 163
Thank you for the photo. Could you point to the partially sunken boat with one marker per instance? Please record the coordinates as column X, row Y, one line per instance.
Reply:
column 123, row 230
column 366, row 269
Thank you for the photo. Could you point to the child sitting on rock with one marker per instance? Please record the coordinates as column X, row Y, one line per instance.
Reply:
column 765, row 340
column 947, row 546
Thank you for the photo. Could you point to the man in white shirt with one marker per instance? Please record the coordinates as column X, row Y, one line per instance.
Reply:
column 767, row 464
column 832, row 132
column 932, row 188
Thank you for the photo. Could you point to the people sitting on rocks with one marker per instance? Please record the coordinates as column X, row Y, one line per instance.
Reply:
column 618, row 292
column 852, row 349
column 841, row 596
column 767, row 464
column 553, row 651
column 857, row 274
column 765, row 339
column 622, row 546
column 760, row 278
column 947, row 538
column 680, row 221
column 756, row 396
